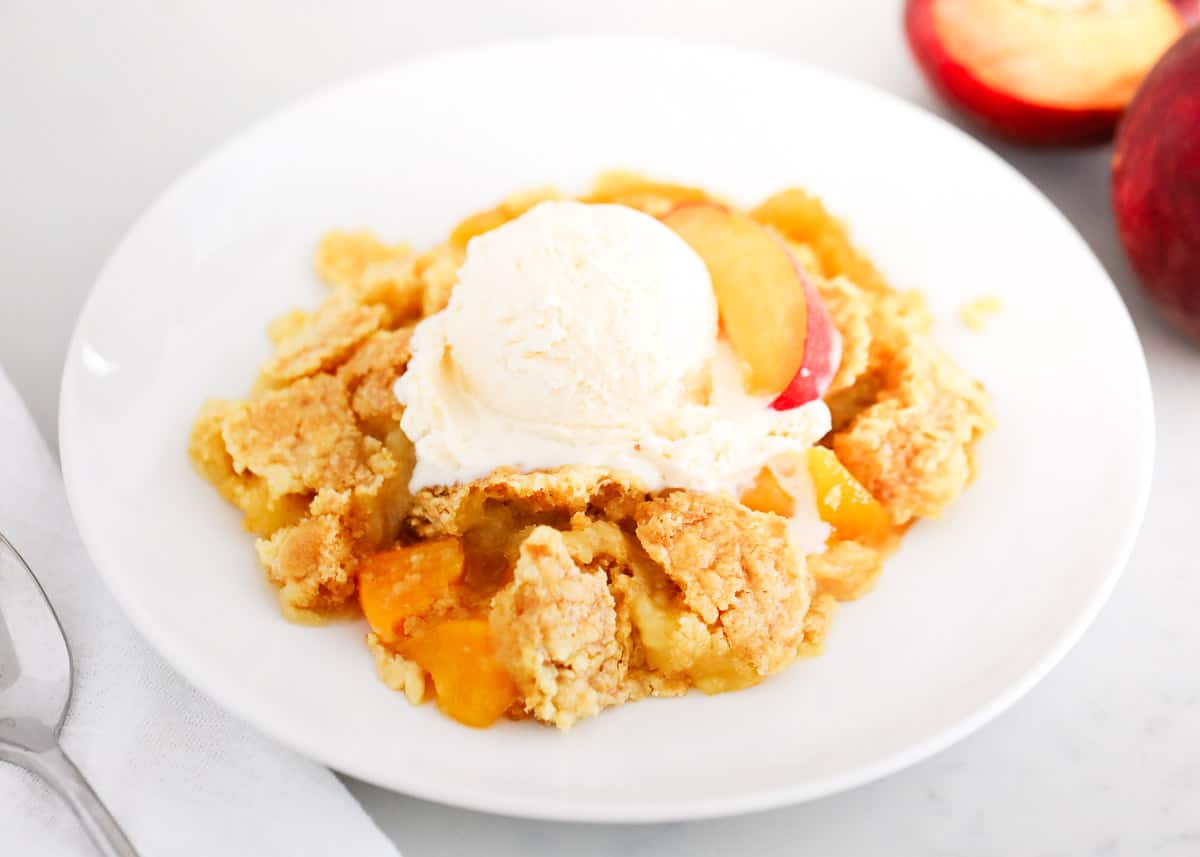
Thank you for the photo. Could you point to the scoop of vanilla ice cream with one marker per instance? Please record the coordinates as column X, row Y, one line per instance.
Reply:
column 581, row 315
column 587, row 335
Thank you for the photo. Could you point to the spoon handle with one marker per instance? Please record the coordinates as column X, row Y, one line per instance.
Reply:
column 66, row 779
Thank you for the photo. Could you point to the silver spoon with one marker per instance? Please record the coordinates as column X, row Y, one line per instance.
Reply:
column 35, row 690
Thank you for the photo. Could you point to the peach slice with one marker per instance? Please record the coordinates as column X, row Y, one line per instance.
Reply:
column 760, row 293
column 770, row 310
column 1156, row 184
column 1040, row 71
column 822, row 355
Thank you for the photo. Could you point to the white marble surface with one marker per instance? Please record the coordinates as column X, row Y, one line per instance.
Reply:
column 102, row 104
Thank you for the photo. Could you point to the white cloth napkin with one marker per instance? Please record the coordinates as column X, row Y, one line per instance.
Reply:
column 182, row 776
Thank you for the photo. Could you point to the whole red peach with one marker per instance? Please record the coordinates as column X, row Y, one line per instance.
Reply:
column 1156, row 183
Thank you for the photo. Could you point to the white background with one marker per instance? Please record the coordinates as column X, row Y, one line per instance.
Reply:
column 102, row 104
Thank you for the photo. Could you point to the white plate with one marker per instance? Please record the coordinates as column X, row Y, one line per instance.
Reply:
column 970, row 613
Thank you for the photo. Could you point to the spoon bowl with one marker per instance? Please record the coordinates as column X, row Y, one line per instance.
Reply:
column 36, row 675
column 35, row 663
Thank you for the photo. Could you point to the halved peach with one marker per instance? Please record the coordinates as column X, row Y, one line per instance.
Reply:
column 1041, row 71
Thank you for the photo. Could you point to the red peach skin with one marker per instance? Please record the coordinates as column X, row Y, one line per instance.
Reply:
column 822, row 354
column 1156, row 184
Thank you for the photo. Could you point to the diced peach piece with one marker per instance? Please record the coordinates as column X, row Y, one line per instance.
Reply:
column 842, row 501
column 472, row 686
column 767, row 495
column 397, row 584
column 760, row 291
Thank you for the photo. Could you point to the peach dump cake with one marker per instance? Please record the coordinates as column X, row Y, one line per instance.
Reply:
column 592, row 450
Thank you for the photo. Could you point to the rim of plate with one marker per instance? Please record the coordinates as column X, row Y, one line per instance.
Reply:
column 667, row 810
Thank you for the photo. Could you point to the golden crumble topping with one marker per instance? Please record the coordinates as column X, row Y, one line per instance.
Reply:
column 850, row 311
column 437, row 270
column 321, row 339
column 846, row 570
column 343, row 257
column 556, row 594
column 312, row 563
column 369, row 376
column 564, row 491
column 397, row 671
column 816, row 624
column 265, row 511
column 736, row 571
column 555, row 626
column 299, row 439
column 911, row 448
